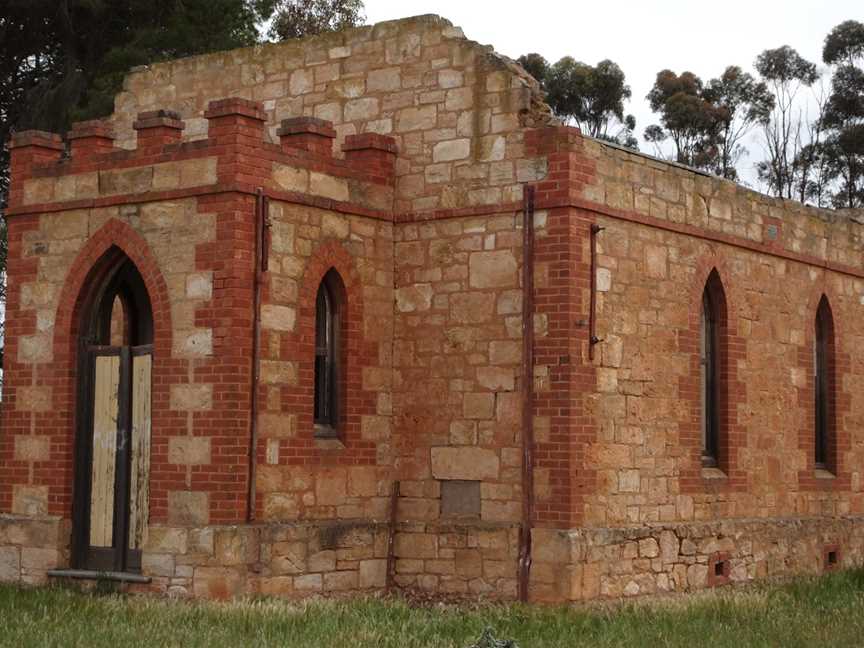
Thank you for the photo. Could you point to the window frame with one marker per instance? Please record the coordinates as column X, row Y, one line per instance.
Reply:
column 327, row 356
column 709, row 363
column 823, row 386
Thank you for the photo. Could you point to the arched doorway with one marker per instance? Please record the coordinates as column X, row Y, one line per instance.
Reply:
column 112, row 457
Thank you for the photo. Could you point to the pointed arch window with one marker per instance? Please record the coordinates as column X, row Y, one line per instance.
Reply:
column 823, row 381
column 712, row 324
column 329, row 308
column 112, row 456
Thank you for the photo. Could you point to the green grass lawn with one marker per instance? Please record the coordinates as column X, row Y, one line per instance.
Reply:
column 827, row 611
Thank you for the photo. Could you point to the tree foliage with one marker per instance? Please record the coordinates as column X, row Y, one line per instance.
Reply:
column 786, row 72
column 844, row 113
column 592, row 97
column 687, row 118
column 739, row 102
column 298, row 18
column 845, row 44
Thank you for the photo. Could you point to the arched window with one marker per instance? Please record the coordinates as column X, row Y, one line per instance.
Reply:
column 329, row 307
column 113, row 416
column 823, row 381
column 711, row 329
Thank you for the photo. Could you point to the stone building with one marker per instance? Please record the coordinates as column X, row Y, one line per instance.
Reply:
column 353, row 312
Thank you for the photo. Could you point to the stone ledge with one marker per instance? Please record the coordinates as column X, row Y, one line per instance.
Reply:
column 86, row 574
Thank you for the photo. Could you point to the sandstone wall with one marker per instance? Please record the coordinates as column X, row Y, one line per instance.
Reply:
column 301, row 477
column 424, row 229
column 454, row 107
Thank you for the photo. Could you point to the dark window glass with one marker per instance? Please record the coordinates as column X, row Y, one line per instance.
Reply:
column 327, row 338
column 822, row 346
column 709, row 365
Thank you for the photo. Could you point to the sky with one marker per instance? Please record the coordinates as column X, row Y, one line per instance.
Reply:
column 642, row 37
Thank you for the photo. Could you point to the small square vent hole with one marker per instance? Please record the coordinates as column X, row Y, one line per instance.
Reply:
column 719, row 567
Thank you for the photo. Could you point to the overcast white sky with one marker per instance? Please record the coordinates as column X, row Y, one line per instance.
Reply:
column 642, row 37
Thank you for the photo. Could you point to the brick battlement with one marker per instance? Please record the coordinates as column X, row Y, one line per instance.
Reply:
column 97, row 173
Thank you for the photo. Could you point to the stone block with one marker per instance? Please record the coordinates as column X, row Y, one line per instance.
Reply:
column 188, row 508
column 451, row 150
column 194, row 398
column 278, row 372
column 495, row 269
column 290, row 178
column 217, row 583
column 362, row 481
column 472, row 307
column 280, row 506
column 340, row 581
column 414, row 298
column 308, row 583
column 464, row 463
column 361, row 109
column 372, row 574
column 478, row 405
column 10, row 564
column 505, row 352
column 277, row 425
column 190, row 451
column 416, row 118
column 278, row 318
column 330, row 486
column 39, row 560
column 194, row 343
column 384, row 80
column 157, row 564
column 416, row 546
column 31, row 501
column 199, row 285
column 335, row 226
column 496, row 378
column 166, row 540
column 327, row 186
column 33, row 399
column 32, row 448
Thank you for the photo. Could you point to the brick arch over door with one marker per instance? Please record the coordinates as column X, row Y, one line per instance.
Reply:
column 87, row 266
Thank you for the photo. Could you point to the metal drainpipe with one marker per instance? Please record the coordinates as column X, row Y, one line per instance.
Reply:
column 524, row 564
column 261, row 263
column 593, row 340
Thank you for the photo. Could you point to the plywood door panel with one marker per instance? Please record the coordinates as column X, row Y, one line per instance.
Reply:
column 140, row 448
column 106, row 410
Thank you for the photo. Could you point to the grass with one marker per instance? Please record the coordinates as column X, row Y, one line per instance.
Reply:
column 826, row 611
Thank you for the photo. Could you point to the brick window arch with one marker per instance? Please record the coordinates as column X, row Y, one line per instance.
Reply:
column 330, row 309
column 712, row 368
column 824, row 394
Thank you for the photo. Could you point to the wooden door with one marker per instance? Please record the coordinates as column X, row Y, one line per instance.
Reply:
column 111, row 524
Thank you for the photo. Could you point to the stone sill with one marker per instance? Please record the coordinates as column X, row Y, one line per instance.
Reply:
column 712, row 473
column 86, row 574
column 822, row 473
